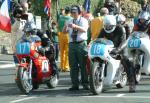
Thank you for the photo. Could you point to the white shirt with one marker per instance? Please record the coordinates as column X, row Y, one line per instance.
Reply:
column 18, row 26
column 82, row 22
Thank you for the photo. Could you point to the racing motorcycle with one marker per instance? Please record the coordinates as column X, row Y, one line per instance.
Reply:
column 34, row 68
column 139, row 53
column 106, row 68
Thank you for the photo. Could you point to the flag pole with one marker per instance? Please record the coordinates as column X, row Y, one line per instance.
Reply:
column 57, row 9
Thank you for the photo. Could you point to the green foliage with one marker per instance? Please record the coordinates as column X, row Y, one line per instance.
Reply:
column 139, row 1
column 94, row 4
column 38, row 6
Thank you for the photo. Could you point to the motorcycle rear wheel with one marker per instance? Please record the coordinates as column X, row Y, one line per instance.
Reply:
column 53, row 82
column 96, row 82
column 35, row 86
column 23, row 82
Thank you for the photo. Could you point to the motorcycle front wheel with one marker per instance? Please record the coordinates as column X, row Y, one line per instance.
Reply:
column 23, row 82
column 96, row 78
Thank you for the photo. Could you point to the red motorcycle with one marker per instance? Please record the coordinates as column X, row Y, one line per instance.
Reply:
column 34, row 69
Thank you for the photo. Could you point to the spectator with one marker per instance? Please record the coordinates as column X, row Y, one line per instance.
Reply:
column 55, row 39
column 89, row 17
column 64, row 41
column 97, row 23
column 21, row 16
column 145, row 6
column 77, row 29
column 60, row 13
column 111, row 6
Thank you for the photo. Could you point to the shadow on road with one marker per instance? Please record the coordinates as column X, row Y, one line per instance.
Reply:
column 9, row 89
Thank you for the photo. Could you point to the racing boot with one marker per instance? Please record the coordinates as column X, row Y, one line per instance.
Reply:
column 132, row 85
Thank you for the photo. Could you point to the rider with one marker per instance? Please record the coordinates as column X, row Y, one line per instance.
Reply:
column 112, row 31
column 117, row 34
column 30, row 27
column 47, row 49
column 121, row 20
column 143, row 23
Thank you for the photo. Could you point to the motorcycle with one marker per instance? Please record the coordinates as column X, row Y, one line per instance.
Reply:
column 106, row 68
column 139, row 53
column 34, row 68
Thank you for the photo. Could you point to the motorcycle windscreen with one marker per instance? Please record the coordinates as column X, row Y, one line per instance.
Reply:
column 23, row 48
column 97, row 49
column 134, row 43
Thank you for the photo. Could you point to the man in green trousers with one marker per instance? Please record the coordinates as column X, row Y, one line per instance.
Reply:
column 77, row 29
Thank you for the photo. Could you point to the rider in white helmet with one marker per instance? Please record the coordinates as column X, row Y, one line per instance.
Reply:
column 117, row 35
column 121, row 20
column 109, row 23
column 112, row 31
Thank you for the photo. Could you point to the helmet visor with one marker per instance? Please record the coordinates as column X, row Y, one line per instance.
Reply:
column 109, row 27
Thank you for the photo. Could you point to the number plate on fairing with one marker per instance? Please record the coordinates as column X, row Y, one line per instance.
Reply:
column 23, row 48
column 134, row 43
column 45, row 66
column 97, row 49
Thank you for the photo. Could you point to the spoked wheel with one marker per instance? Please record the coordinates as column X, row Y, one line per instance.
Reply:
column 53, row 82
column 122, row 80
column 23, row 82
column 96, row 78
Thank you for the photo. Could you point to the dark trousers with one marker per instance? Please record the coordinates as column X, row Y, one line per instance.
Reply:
column 15, row 59
column 51, row 57
column 130, row 70
column 77, row 60
column 56, row 48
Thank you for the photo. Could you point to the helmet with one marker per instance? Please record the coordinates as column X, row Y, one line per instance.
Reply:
column 144, row 20
column 109, row 23
column 17, row 10
column 120, row 19
column 29, row 27
column 144, row 15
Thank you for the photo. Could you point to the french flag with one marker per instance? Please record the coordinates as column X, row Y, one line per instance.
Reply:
column 5, row 22
column 47, row 6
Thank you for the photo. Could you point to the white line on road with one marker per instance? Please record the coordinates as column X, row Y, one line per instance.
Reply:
column 120, row 95
column 20, row 100
column 6, row 62
column 137, row 97
column 7, row 66
column 23, row 95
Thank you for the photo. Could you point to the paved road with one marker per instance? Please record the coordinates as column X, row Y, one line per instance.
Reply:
column 9, row 93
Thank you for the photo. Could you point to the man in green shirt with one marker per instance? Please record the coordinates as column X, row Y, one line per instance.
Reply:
column 64, row 40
